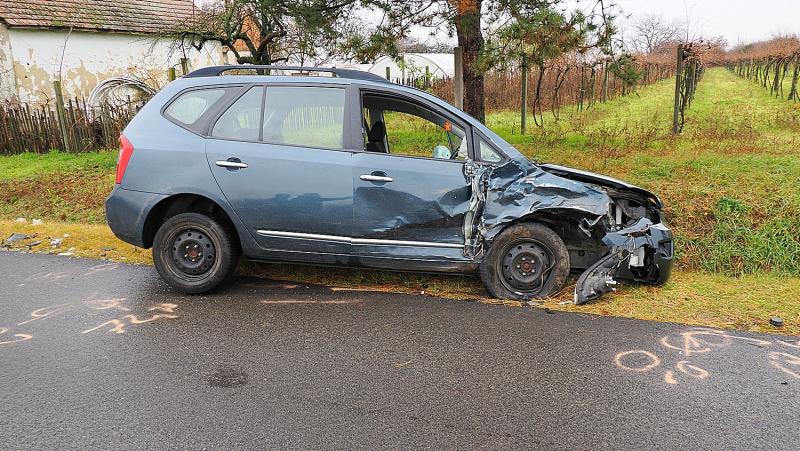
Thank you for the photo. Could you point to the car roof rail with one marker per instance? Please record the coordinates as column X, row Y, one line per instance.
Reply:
column 215, row 71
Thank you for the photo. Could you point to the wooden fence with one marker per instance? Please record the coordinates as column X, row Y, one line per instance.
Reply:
column 36, row 128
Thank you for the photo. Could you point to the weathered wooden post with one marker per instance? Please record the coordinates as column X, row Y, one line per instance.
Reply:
column 524, row 106
column 582, row 88
column 185, row 65
column 62, row 115
column 171, row 74
column 388, row 73
column 677, row 109
column 458, row 80
column 427, row 76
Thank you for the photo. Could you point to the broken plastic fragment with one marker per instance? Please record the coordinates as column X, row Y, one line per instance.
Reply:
column 597, row 280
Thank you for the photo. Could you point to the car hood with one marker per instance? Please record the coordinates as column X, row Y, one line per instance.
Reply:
column 602, row 180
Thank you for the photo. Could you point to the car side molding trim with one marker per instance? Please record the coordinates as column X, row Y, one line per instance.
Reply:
column 355, row 241
column 304, row 236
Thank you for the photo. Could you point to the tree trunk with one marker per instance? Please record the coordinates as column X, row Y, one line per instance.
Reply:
column 470, row 39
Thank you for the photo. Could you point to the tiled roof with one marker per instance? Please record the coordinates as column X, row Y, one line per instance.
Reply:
column 139, row 16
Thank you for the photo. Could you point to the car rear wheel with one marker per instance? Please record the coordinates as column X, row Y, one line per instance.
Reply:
column 194, row 253
column 525, row 261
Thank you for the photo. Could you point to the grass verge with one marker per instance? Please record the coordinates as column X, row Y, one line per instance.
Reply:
column 689, row 297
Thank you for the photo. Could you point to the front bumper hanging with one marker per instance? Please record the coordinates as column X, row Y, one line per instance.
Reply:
column 642, row 253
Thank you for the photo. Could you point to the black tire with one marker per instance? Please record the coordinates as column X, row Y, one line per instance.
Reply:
column 525, row 261
column 194, row 253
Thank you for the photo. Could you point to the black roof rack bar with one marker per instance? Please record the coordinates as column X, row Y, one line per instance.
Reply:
column 215, row 71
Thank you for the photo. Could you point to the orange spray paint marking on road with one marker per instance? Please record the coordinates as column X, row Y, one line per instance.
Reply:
column 788, row 363
column 120, row 324
column 46, row 312
column 654, row 361
column 107, row 304
column 19, row 337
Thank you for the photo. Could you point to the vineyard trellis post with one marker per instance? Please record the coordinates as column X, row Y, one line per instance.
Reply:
column 524, row 102
column 678, row 74
column 795, row 75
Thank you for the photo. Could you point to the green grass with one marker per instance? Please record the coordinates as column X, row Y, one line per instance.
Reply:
column 31, row 165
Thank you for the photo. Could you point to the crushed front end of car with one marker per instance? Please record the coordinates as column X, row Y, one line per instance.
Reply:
column 614, row 231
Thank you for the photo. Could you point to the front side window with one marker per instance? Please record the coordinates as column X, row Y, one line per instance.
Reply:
column 401, row 127
column 304, row 116
column 190, row 106
column 242, row 120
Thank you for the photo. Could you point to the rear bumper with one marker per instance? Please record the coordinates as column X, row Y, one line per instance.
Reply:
column 127, row 211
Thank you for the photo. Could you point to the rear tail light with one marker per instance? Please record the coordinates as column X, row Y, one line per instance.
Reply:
column 125, row 153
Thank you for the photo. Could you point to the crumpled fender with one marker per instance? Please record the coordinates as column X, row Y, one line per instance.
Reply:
column 514, row 191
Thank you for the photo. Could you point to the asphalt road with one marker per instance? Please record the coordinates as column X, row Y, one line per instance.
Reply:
column 97, row 355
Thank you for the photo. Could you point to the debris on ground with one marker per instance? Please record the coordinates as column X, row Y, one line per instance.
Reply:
column 37, row 222
column 776, row 321
column 21, row 220
column 35, row 243
column 15, row 237
column 56, row 242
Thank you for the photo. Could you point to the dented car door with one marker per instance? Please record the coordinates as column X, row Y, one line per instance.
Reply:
column 407, row 208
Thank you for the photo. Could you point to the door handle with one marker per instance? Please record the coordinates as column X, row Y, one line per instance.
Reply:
column 376, row 178
column 231, row 164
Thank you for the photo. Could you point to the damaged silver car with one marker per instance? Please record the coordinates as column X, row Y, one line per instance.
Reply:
column 352, row 170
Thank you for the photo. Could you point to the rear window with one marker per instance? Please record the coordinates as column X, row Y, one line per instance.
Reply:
column 190, row 106
column 241, row 121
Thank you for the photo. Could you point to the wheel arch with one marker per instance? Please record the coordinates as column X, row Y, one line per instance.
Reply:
column 184, row 203
column 565, row 222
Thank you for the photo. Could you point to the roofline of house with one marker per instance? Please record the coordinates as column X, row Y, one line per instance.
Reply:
column 86, row 29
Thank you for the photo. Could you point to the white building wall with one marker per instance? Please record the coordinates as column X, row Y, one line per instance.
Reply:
column 440, row 65
column 91, row 57
column 8, row 86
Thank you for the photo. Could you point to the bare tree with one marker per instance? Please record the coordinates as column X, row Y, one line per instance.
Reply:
column 270, row 30
column 652, row 33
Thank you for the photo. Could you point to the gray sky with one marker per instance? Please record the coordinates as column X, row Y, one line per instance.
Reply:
column 738, row 21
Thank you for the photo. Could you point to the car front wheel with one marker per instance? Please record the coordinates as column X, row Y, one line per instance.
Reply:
column 525, row 261
column 194, row 253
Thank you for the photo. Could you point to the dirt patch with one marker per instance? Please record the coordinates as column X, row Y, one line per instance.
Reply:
column 77, row 197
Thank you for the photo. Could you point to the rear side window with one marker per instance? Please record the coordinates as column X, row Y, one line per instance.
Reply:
column 304, row 116
column 190, row 106
column 242, row 120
